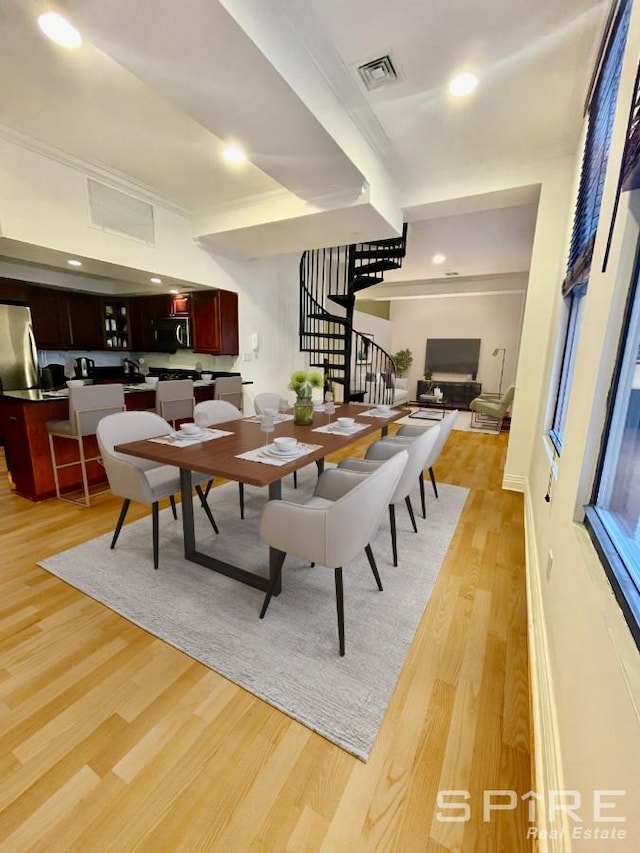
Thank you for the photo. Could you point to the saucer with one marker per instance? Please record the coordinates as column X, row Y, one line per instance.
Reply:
column 272, row 450
column 189, row 436
column 339, row 428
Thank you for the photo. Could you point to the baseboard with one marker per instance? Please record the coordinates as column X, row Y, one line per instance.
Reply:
column 556, row 837
column 514, row 483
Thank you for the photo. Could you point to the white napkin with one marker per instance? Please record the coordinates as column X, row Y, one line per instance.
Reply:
column 374, row 413
column 277, row 419
column 175, row 441
column 335, row 428
column 259, row 455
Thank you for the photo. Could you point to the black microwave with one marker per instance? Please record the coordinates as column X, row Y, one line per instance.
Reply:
column 173, row 333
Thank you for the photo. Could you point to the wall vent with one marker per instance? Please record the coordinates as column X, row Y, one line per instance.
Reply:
column 449, row 274
column 121, row 213
column 379, row 72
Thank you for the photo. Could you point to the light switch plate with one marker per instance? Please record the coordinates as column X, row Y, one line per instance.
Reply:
column 247, row 356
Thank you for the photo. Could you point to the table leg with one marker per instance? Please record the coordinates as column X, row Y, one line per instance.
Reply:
column 275, row 494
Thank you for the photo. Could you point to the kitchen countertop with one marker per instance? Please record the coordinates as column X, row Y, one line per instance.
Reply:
column 37, row 395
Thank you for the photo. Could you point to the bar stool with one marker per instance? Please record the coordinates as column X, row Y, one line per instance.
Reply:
column 174, row 400
column 87, row 405
column 229, row 388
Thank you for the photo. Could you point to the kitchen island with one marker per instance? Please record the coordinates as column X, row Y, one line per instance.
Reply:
column 23, row 418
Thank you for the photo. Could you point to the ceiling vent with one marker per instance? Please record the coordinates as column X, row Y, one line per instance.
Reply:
column 449, row 274
column 377, row 73
column 120, row 213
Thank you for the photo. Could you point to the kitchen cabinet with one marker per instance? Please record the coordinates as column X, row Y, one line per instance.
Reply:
column 179, row 305
column 85, row 321
column 12, row 290
column 115, row 316
column 143, row 312
column 214, row 319
column 50, row 317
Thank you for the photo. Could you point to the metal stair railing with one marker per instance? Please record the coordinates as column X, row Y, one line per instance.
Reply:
column 373, row 371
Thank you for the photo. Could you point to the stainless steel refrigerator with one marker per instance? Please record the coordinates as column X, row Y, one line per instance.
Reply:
column 18, row 353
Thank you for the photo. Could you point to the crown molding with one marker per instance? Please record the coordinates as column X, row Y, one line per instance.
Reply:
column 98, row 171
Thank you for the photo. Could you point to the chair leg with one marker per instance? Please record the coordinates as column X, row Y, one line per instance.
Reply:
column 372, row 563
column 55, row 465
column 274, row 582
column 154, row 516
column 295, row 479
column 208, row 489
column 172, row 501
column 407, row 500
column 394, row 544
column 422, row 501
column 83, row 468
column 241, row 493
column 433, row 482
column 340, row 607
column 123, row 511
column 205, row 507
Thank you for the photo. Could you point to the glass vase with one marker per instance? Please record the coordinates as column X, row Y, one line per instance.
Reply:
column 303, row 411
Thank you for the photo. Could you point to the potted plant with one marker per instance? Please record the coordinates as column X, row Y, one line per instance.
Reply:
column 403, row 360
column 428, row 375
column 303, row 382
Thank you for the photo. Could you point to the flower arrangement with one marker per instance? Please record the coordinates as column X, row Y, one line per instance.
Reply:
column 303, row 382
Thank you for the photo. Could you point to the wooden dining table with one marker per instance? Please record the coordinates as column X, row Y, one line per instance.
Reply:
column 219, row 458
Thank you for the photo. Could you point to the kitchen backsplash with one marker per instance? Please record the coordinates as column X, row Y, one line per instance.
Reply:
column 184, row 359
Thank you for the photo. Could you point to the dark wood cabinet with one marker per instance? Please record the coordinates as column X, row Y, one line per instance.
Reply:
column 85, row 321
column 456, row 394
column 179, row 305
column 12, row 290
column 115, row 319
column 214, row 318
column 143, row 312
column 50, row 317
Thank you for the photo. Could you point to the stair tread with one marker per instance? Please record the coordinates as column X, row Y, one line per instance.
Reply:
column 378, row 266
column 330, row 318
column 333, row 335
column 387, row 252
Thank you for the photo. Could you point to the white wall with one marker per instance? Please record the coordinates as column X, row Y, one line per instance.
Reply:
column 44, row 202
column 585, row 666
column 377, row 326
column 495, row 319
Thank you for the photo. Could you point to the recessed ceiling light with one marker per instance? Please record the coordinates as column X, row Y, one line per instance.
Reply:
column 173, row 290
column 155, row 280
column 59, row 30
column 463, row 84
column 73, row 263
column 234, row 154
column 439, row 258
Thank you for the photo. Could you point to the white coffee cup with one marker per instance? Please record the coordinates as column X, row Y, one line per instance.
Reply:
column 190, row 429
column 151, row 380
column 345, row 422
column 285, row 442
column 206, row 377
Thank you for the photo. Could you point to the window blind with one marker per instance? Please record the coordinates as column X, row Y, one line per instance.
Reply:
column 596, row 152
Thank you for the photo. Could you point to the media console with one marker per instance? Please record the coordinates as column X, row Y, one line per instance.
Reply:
column 457, row 395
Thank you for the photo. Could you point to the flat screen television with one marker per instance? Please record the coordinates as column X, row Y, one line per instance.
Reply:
column 453, row 355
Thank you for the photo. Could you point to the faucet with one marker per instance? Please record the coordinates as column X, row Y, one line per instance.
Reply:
column 130, row 365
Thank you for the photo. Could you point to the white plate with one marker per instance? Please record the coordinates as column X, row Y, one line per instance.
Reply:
column 190, row 436
column 272, row 450
column 340, row 428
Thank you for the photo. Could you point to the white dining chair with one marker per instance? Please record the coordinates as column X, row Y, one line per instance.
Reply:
column 135, row 479
column 418, row 453
column 410, row 431
column 87, row 405
column 217, row 412
column 337, row 523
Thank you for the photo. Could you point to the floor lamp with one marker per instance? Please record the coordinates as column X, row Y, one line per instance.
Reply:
column 504, row 352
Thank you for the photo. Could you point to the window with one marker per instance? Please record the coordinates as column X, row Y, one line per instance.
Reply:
column 585, row 223
column 613, row 519
column 574, row 306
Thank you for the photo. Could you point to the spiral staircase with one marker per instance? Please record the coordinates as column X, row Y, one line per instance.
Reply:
column 330, row 278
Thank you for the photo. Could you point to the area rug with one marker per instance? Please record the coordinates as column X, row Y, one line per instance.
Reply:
column 291, row 658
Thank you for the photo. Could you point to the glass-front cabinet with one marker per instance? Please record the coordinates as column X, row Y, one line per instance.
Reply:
column 116, row 324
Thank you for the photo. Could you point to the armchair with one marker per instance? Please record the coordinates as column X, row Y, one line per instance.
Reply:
column 491, row 408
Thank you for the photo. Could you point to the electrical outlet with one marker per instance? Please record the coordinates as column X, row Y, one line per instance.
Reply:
column 247, row 356
column 549, row 564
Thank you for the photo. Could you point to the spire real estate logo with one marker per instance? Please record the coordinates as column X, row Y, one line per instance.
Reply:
column 598, row 815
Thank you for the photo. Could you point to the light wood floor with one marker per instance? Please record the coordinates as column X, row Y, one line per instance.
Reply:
column 113, row 741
